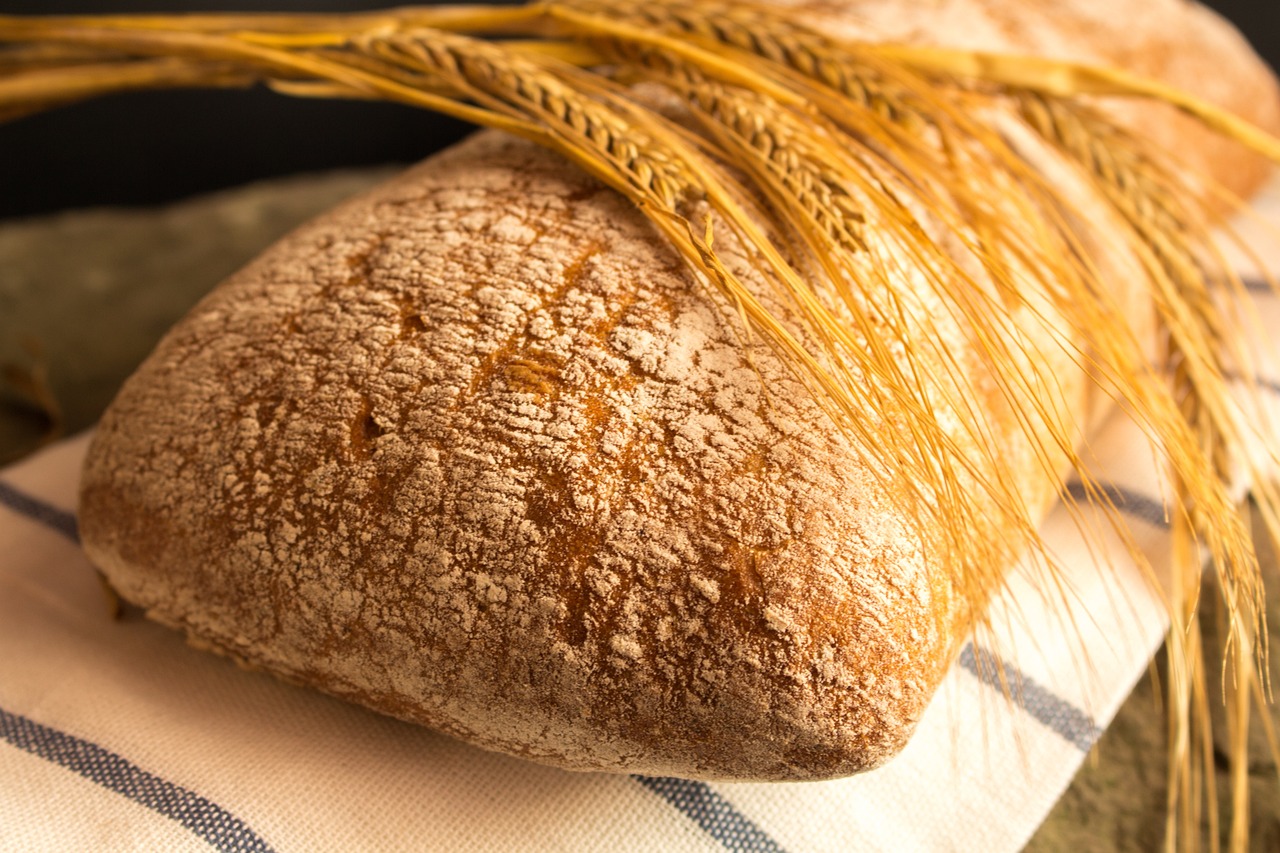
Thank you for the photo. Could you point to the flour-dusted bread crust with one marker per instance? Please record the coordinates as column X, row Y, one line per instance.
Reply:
column 475, row 451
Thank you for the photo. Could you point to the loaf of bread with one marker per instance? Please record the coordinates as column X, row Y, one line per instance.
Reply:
column 475, row 450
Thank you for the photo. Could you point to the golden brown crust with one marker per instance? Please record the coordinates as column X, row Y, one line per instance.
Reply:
column 474, row 451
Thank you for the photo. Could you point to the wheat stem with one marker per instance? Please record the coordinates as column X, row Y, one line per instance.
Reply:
column 862, row 166
column 1071, row 80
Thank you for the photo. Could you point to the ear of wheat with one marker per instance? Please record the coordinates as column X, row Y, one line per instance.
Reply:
column 805, row 153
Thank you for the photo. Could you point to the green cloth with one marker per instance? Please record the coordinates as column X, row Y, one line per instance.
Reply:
column 85, row 295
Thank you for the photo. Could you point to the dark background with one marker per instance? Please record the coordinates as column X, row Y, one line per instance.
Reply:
column 153, row 147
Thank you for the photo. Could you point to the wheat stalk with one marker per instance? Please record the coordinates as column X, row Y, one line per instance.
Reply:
column 597, row 139
column 1192, row 417
column 830, row 139
column 805, row 172
column 498, row 81
column 1142, row 191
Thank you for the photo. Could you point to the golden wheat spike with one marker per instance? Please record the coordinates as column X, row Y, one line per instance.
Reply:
column 832, row 137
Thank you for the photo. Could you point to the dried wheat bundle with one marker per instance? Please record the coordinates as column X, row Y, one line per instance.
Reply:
column 827, row 163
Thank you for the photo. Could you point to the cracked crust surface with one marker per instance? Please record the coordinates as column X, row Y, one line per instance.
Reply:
column 475, row 451
column 475, row 443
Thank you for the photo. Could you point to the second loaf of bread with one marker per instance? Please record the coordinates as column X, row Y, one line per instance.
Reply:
column 475, row 451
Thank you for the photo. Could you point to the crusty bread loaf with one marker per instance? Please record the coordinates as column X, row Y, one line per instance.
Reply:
column 475, row 451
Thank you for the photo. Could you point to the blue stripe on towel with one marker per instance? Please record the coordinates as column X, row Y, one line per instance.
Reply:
column 715, row 815
column 1258, row 286
column 1128, row 502
column 221, row 829
column 37, row 510
column 709, row 810
column 1055, row 713
column 1271, row 386
column 697, row 800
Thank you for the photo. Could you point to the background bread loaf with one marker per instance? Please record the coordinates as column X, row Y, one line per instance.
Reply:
column 476, row 451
